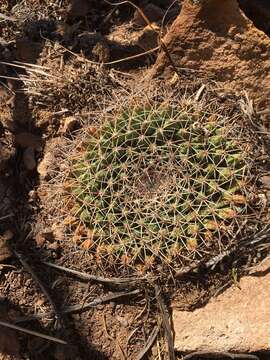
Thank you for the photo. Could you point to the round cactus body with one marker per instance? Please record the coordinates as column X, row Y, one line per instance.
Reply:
column 156, row 185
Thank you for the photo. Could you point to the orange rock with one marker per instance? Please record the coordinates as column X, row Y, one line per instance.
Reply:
column 215, row 38
column 237, row 320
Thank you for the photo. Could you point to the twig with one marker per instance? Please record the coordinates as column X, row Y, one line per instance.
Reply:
column 105, row 328
column 28, row 67
column 24, row 65
column 123, row 354
column 111, row 62
column 98, row 301
column 149, row 343
column 24, row 79
column 220, row 355
column 113, row 281
column 31, row 332
column 38, row 282
column 199, row 92
column 85, row 306
column 166, row 323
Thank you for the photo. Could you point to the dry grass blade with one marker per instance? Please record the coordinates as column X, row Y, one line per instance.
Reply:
column 31, row 332
column 24, row 79
column 130, row 282
column 80, row 58
column 166, row 323
column 28, row 67
column 149, row 343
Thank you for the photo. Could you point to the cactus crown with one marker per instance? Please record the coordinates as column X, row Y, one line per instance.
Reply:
column 155, row 186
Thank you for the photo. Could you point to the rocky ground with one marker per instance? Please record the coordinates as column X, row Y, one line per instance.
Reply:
column 61, row 64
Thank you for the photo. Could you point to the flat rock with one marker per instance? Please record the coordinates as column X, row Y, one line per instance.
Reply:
column 238, row 320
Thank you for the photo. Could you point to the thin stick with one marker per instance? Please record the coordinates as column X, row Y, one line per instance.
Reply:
column 112, row 62
column 98, row 301
column 220, row 355
column 31, row 332
column 166, row 323
column 84, row 276
column 38, row 282
column 27, row 66
column 25, row 79
column 149, row 343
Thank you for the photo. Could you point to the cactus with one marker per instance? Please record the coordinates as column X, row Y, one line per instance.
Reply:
column 157, row 185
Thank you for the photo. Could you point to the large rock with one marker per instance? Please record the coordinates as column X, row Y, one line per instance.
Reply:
column 237, row 320
column 215, row 38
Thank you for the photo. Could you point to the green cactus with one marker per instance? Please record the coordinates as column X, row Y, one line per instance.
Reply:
column 156, row 185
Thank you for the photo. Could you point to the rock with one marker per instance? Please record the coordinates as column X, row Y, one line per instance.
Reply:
column 58, row 232
column 40, row 239
column 49, row 163
column 26, row 139
column 44, row 166
column 53, row 246
column 265, row 180
column 69, row 125
column 237, row 320
column 215, row 38
column 29, row 160
column 152, row 12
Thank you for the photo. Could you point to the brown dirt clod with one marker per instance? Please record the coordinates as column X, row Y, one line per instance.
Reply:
column 214, row 37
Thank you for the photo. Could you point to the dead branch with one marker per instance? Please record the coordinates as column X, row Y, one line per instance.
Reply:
column 219, row 355
column 129, row 282
column 166, row 323
column 149, row 343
